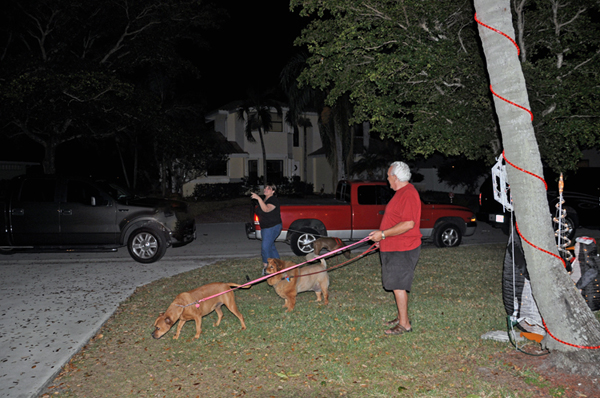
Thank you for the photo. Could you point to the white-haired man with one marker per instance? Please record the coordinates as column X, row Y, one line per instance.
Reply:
column 399, row 240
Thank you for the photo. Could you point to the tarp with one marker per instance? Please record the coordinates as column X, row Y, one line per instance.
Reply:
column 516, row 289
column 586, row 268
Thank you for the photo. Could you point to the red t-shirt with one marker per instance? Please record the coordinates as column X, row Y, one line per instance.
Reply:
column 404, row 206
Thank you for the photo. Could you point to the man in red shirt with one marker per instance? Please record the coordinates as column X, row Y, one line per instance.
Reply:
column 399, row 240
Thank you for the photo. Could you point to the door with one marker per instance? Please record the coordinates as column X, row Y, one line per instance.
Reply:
column 34, row 215
column 367, row 216
column 87, row 216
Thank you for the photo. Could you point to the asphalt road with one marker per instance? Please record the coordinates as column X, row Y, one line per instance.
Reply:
column 53, row 303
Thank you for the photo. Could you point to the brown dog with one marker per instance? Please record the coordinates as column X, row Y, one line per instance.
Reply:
column 330, row 244
column 289, row 284
column 182, row 311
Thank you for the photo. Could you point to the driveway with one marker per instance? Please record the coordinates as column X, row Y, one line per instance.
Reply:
column 54, row 303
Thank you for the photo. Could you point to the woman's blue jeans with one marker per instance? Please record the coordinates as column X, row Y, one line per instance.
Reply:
column 268, row 249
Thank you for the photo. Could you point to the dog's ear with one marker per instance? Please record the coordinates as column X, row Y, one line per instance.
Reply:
column 168, row 321
column 279, row 264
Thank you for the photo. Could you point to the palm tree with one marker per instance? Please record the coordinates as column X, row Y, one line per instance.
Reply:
column 256, row 111
column 336, row 135
column 299, row 98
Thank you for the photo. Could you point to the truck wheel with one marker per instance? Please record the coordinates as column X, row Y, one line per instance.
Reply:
column 447, row 235
column 302, row 241
column 147, row 245
column 7, row 251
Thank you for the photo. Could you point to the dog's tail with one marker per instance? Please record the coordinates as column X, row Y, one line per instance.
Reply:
column 311, row 256
column 236, row 285
column 324, row 263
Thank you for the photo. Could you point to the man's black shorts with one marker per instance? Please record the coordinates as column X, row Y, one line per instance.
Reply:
column 398, row 268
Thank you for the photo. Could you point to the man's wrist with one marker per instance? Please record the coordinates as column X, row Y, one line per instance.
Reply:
column 382, row 235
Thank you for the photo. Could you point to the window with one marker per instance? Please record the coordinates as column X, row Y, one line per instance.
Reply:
column 276, row 123
column 296, row 137
column 252, row 172
column 374, row 195
column 343, row 192
column 275, row 170
column 38, row 190
column 358, row 138
column 82, row 192
column 217, row 168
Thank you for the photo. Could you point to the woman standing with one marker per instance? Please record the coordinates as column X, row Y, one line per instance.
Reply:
column 269, row 217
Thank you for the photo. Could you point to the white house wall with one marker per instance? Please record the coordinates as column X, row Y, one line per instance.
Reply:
column 278, row 146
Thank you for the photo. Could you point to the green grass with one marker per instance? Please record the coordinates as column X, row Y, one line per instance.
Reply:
column 317, row 350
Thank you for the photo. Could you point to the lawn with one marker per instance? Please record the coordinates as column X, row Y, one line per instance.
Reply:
column 317, row 350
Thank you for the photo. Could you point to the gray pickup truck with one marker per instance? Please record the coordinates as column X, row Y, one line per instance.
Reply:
column 53, row 213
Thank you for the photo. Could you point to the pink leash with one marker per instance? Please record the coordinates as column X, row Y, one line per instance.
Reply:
column 197, row 302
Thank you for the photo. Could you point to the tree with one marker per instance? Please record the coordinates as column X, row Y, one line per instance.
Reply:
column 375, row 160
column 411, row 69
column 414, row 71
column 186, row 149
column 336, row 134
column 560, row 56
column 69, row 68
column 457, row 171
column 52, row 109
column 562, row 307
column 256, row 111
column 299, row 99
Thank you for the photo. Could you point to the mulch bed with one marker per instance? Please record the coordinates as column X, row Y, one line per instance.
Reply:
column 575, row 386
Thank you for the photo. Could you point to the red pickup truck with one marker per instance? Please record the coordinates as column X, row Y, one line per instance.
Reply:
column 357, row 210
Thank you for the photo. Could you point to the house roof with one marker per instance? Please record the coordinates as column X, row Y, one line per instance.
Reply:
column 228, row 147
column 230, row 106
column 318, row 152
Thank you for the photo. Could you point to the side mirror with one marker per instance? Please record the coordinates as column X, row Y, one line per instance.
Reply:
column 93, row 201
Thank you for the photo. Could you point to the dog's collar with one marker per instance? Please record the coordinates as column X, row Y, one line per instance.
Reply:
column 285, row 276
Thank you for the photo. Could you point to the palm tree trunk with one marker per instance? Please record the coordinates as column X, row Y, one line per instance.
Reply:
column 561, row 305
column 264, row 153
column 305, row 156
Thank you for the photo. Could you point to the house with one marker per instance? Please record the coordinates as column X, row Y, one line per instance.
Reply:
column 9, row 169
column 285, row 149
column 286, row 154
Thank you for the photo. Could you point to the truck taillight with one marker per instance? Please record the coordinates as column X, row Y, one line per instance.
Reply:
column 479, row 199
column 256, row 219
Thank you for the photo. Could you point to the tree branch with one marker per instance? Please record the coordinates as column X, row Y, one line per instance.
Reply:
column 131, row 35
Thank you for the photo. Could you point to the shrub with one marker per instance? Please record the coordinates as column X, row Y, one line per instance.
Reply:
column 285, row 186
column 218, row 191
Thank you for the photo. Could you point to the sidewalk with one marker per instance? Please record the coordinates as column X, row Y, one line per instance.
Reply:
column 48, row 316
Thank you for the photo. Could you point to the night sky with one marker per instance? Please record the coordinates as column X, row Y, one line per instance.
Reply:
column 251, row 49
